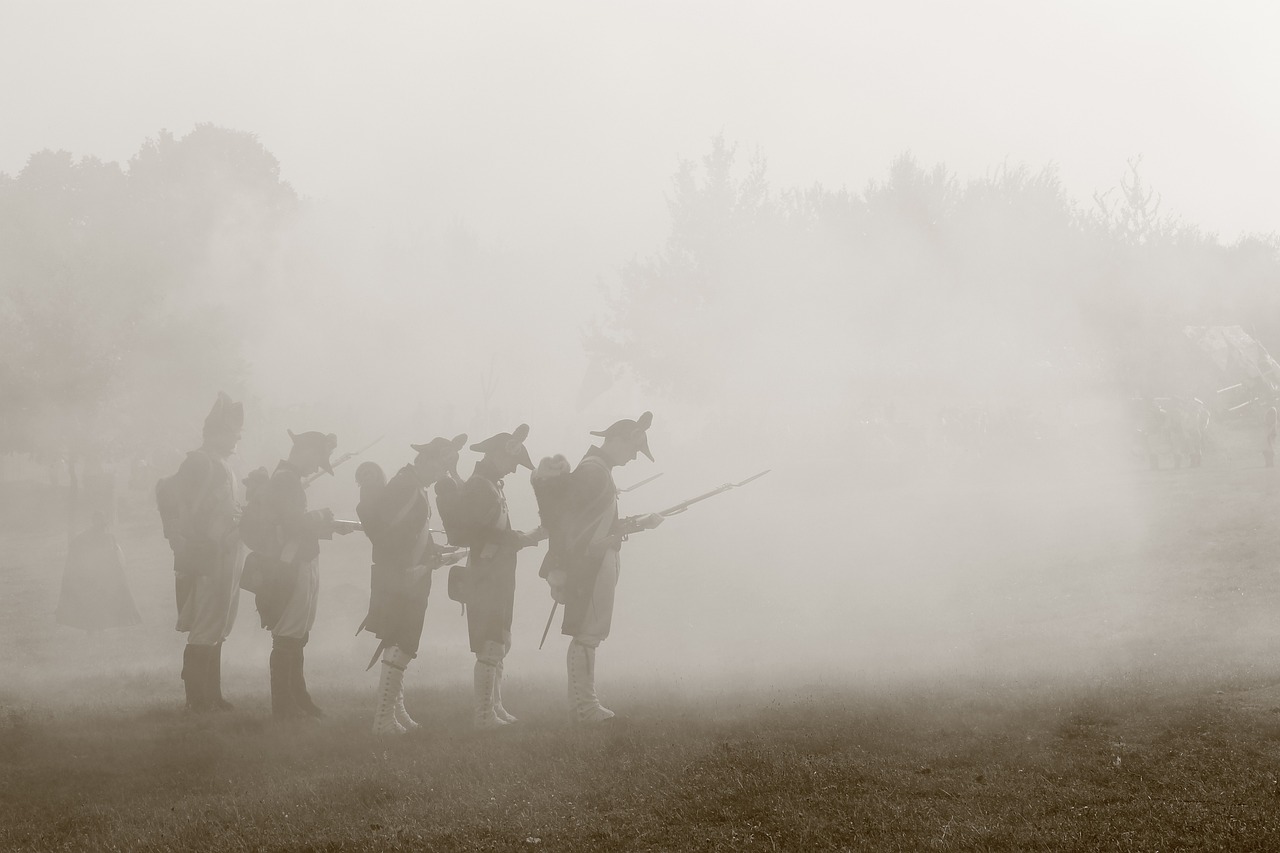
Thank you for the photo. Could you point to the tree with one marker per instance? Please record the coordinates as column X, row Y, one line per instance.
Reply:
column 117, row 285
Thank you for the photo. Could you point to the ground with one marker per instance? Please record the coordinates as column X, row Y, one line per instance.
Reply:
column 1175, row 745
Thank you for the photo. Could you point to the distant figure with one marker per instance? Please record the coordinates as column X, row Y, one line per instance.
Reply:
column 396, row 516
column 95, row 594
column 198, row 510
column 589, row 545
column 491, row 567
column 1269, row 438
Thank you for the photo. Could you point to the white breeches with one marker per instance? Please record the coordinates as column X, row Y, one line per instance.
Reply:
column 300, row 613
column 210, row 610
column 599, row 615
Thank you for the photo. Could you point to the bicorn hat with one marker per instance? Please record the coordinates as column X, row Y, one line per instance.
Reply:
column 318, row 442
column 511, row 443
column 225, row 416
column 628, row 427
column 443, row 449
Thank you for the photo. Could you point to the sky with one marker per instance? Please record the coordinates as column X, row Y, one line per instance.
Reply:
column 542, row 126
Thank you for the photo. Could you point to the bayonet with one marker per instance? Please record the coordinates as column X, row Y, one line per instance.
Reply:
column 684, row 505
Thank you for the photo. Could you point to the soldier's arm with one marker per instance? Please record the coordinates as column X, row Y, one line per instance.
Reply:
column 291, row 513
column 481, row 509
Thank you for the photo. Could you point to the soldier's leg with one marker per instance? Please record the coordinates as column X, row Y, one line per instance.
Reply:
column 584, row 705
column 485, row 683
column 299, row 682
column 399, row 659
column 406, row 637
column 283, row 704
column 194, row 666
column 506, row 611
column 214, row 672
column 499, row 711
column 389, row 685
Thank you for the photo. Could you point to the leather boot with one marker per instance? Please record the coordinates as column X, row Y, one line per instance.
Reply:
column 194, row 665
column 400, row 658
column 300, row 694
column 283, row 705
column 500, row 712
column 389, row 686
column 584, row 707
column 213, row 672
column 484, row 680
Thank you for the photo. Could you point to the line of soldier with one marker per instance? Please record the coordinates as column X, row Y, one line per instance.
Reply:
column 206, row 529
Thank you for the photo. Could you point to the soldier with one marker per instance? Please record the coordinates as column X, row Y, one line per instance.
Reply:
column 289, row 609
column 592, row 536
column 491, row 567
column 198, row 510
column 397, row 519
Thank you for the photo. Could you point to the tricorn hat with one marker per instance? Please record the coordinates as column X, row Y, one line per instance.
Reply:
column 317, row 442
column 511, row 443
column 445, row 449
column 225, row 416
column 627, row 427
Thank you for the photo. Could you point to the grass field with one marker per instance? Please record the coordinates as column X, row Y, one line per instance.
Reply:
column 1165, row 735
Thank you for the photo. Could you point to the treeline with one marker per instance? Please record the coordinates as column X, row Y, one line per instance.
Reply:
column 924, row 284
column 123, row 289
column 128, row 292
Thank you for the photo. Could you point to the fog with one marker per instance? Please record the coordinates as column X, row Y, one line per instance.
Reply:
column 915, row 260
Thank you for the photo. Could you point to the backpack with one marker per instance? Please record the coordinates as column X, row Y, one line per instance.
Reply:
column 257, row 526
column 551, row 489
column 171, row 502
column 449, row 503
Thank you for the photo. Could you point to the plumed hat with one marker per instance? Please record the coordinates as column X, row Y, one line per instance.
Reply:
column 224, row 417
column 444, row 450
column 320, row 443
column 511, row 443
column 627, row 427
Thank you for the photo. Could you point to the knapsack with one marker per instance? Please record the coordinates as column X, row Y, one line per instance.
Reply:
column 550, row 483
column 170, row 499
column 257, row 524
column 449, row 503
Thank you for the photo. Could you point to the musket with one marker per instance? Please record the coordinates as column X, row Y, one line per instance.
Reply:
column 310, row 478
column 682, row 506
column 629, row 524
column 349, row 526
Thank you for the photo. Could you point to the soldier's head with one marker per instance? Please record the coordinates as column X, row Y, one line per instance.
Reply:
column 437, row 458
column 505, row 452
column 223, row 425
column 311, row 451
column 626, row 438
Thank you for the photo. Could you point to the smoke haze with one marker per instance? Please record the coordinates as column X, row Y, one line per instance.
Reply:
column 422, row 220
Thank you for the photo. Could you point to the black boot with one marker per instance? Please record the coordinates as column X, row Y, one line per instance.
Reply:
column 214, row 673
column 193, row 677
column 300, row 694
column 283, row 705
